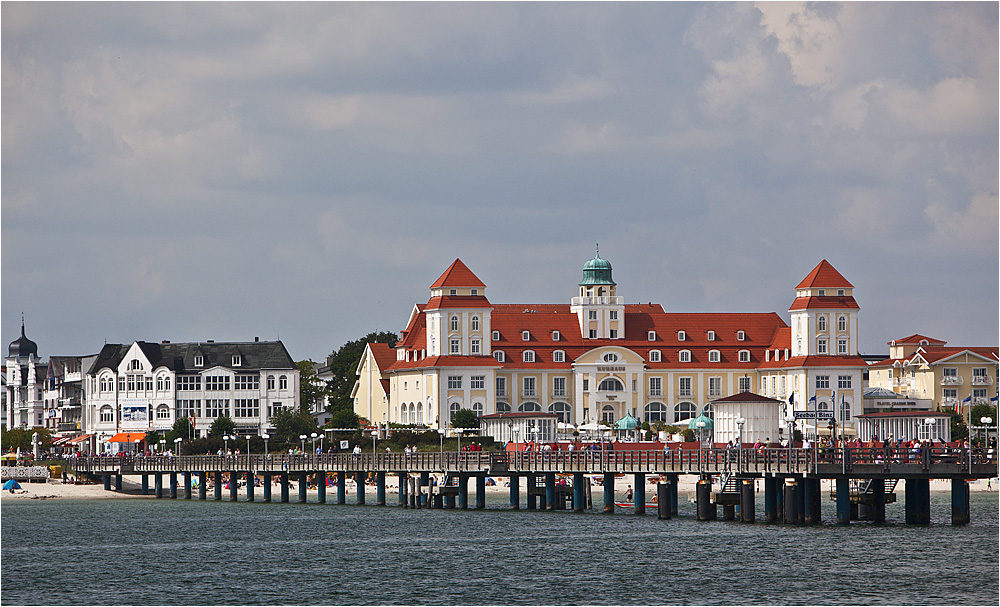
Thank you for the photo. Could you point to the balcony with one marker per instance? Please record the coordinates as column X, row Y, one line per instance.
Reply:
column 982, row 380
column 952, row 380
column 598, row 301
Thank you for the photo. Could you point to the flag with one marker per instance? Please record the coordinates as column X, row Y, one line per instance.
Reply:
column 994, row 400
column 812, row 399
column 968, row 399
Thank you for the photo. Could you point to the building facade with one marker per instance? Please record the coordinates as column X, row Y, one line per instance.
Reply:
column 25, row 375
column 63, row 395
column 146, row 386
column 598, row 359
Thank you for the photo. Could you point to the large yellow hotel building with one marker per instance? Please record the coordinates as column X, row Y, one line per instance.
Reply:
column 599, row 359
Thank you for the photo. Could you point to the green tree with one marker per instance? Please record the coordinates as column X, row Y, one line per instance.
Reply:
column 312, row 391
column 222, row 426
column 465, row 418
column 983, row 410
column 289, row 424
column 343, row 367
column 959, row 430
column 345, row 418
column 11, row 439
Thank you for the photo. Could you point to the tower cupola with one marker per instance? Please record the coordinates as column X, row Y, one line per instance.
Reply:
column 22, row 347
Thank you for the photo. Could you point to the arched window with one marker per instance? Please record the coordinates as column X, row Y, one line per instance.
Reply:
column 684, row 356
column 610, row 357
column 611, row 384
column 845, row 412
column 282, row 382
column 822, row 405
column 821, row 323
column 608, row 414
column 655, row 412
column 559, row 356
column 477, row 408
column 163, row 411
column 475, row 323
column 453, row 409
column 654, row 356
column 413, row 413
column 562, row 410
column 107, row 413
column 454, row 323
column 709, row 411
column 420, row 413
column 684, row 411
column 503, row 408
column 713, row 356
column 842, row 323
column 529, row 407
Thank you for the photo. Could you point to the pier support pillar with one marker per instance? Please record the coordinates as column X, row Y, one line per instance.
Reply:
column 402, row 482
column 811, row 492
column 877, row 509
column 707, row 511
column 268, row 480
column 550, row 491
column 321, row 487
column 917, row 498
column 531, row 483
column 380, row 488
column 480, row 491
column 515, row 491
column 187, row 485
column 359, row 480
column 449, row 501
column 118, row 482
column 579, row 499
column 251, row 481
column 341, row 487
column 414, row 492
column 303, row 487
column 779, row 495
column 770, row 499
column 843, row 501
column 959, row 502
column 792, row 501
column 145, row 484
column 234, row 487
column 463, row 491
column 218, row 485
column 173, row 485
column 107, row 482
column 663, row 501
column 423, row 492
column 284, row 487
column 748, row 505
column 609, row 493
column 202, row 486
column 728, row 512
column 158, row 485
column 639, row 495
column 673, row 482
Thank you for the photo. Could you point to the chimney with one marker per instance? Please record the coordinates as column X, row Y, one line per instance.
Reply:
column 210, row 341
column 256, row 339
column 166, row 341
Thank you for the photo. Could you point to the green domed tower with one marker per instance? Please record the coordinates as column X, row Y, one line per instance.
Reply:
column 600, row 310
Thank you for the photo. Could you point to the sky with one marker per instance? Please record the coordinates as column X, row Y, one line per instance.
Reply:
column 304, row 172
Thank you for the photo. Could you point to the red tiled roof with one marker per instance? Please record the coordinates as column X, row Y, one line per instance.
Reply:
column 824, row 276
column 384, row 355
column 932, row 355
column 446, row 361
column 782, row 339
column 916, row 338
column 457, row 275
column 827, row 302
column 889, row 362
column 457, row 301
column 815, row 361
column 385, row 384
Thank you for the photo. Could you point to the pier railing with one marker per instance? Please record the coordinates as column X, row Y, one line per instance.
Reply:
column 933, row 462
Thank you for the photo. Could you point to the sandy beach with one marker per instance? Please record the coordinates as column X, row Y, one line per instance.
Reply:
column 131, row 488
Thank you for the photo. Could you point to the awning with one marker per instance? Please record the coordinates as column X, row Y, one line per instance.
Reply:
column 80, row 439
column 128, row 437
column 59, row 441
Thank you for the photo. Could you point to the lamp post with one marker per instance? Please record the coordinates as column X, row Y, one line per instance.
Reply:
column 248, row 445
column 986, row 421
column 302, row 439
column 314, row 436
column 226, row 438
column 790, row 419
column 163, row 445
column 700, row 424
column 739, row 424
column 177, row 445
column 510, row 430
column 265, row 436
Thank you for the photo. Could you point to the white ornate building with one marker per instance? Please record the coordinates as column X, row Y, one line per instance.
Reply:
column 146, row 386
column 600, row 359
column 25, row 383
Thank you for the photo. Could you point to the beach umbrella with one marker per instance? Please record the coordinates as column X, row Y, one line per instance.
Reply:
column 10, row 485
column 8, row 456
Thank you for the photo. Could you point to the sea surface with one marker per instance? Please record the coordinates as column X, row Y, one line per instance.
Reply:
column 178, row 552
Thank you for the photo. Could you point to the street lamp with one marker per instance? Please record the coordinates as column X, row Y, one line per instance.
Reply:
column 739, row 423
column 313, row 436
column 302, row 439
column 986, row 421
column 510, row 430
column 790, row 420
column 163, row 445
column 248, row 444
column 177, row 445
column 930, row 421
column 265, row 436
column 226, row 438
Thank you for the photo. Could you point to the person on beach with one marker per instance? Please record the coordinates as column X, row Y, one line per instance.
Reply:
column 628, row 493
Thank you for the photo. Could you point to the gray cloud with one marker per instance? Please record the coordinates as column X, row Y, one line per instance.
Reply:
column 202, row 170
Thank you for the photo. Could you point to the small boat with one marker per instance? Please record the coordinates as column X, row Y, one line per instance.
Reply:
column 649, row 504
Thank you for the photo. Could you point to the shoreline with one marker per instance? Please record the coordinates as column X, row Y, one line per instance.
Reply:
column 56, row 489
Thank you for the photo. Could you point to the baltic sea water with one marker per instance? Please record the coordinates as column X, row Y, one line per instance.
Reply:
column 167, row 552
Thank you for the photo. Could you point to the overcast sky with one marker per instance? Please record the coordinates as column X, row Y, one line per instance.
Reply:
column 306, row 171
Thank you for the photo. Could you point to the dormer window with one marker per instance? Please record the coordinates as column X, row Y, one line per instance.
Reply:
column 744, row 356
column 654, row 356
column 822, row 292
column 711, row 336
column 651, row 336
column 528, row 356
column 475, row 291
column 135, row 365
column 237, row 360
column 453, row 292
column 841, row 292
column 496, row 336
column 498, row 354
column 525, row 335
column 558, row 356
column 741, row 336
column 199, row 360
column 555, row 336
column 684, row 356
column 681, row 336
column 713, row 356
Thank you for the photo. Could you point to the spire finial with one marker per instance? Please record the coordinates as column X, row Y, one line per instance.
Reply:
column 22, row 324
column 598, row 245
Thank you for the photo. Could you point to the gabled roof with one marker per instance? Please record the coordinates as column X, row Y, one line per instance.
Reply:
column 824, row 276
column 457, row 302
column 916, row 338
column 179, row 357
column 458, row 275
column 939, row 355
column 826, row 302
column 384, row 355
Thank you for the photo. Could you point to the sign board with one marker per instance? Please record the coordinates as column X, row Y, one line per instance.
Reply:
column 814, row 415
column 135, row 415
column 344, row 444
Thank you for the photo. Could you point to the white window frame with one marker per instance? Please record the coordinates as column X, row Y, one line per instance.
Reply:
column 711, row 336
column 474, row 323
column 651, row 336
column 499, row 355
column 741, row 336
column 525, row 335
column 655, row 356
column 475, row 347
column 714, row 356
column 454, row 324
column 528, row 356
column 496, row 335
column 684, row 356
column 744, row 356
column 681, row 335
column 559, row 356
column 455, row 346
column 555, row 336
column 237, row 360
